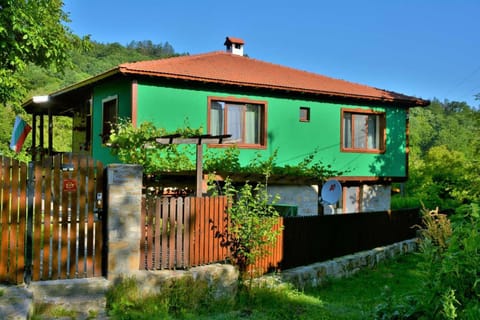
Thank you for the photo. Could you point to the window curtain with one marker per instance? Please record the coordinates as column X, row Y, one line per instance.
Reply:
column 252, row 124
column 360, row 131
column 216, row 118
column 234, row 121
column 373, row 132
column 347, row 130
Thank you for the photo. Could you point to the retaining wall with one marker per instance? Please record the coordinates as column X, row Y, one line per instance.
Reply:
column 313, row 274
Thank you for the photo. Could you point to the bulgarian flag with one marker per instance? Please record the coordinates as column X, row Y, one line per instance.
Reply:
column 19, row 133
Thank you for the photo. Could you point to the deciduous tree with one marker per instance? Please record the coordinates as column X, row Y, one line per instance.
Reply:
column 31, row 32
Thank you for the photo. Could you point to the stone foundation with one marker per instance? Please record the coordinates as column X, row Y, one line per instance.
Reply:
column 222, row 279
column 313, row 275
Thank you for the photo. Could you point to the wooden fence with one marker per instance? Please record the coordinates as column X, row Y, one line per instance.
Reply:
column 13, row 192
column 312, row 239
column 178, row 234
column 49, row 227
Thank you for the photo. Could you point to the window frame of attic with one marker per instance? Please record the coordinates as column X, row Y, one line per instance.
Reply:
column 372, row 142
column 247, row 109
column 109, row 116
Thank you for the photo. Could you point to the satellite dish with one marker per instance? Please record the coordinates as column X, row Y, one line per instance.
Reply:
column 331, row 192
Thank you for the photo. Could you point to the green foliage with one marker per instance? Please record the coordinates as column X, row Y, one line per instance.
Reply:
column 177, row 298
column 40, row 56
column 362, row 296
column 445, row 176
column 450, row 266
column 137, row 145
column 252, row 217
column 224, row 160
column 31, row 32
column 401, row 202
column 445, row 147
column 390, row 308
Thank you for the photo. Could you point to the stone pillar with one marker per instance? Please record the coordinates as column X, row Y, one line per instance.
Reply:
column 124, row 205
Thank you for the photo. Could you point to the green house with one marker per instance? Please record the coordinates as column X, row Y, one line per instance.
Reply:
column 357, row 129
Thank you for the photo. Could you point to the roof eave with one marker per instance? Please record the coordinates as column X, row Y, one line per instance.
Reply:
column 414, row 102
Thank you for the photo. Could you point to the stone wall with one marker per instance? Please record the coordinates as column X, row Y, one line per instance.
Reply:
column 124, row 205
column 304, row 197
column 222, row 279
column 313, row 274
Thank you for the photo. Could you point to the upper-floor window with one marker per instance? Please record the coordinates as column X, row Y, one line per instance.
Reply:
column 244, row 120
column 304, row 114
column 110, row 116
column 363, row 131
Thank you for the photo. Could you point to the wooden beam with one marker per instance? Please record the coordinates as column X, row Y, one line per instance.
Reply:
column 203, row 139
column 199, row 170
column 199, row 141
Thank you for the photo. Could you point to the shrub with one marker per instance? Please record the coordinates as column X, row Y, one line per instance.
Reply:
column 251, row 219
column 450, row 267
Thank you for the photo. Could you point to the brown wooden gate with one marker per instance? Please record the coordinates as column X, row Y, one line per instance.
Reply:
column 50, row 225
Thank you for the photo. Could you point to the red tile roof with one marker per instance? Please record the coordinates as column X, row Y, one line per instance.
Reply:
column 225, row 68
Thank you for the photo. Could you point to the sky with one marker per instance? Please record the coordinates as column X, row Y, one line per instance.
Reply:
column 423, row 48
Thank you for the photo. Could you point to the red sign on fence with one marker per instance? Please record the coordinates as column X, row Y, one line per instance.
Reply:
column 69, row 185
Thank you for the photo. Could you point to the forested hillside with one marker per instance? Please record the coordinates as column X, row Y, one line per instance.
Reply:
column 444, row 154
column 95, row 59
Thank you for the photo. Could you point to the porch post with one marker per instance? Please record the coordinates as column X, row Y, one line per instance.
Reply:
column 123, row 229
column 42, row 136
column 34, row 136
column 199, row 171
column 50, row 132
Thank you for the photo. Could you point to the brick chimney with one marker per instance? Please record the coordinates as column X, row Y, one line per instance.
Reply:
column 234, row 45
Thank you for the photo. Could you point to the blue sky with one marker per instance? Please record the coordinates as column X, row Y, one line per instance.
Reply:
column 423, row 48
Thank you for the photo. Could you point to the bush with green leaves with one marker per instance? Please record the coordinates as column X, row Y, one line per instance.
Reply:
column 450, row 266
column 251, row 217
column 137, row 145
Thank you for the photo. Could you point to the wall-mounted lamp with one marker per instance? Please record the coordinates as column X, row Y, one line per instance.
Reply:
column 40, row 99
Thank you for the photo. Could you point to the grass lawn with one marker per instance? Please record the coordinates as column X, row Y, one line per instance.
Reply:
column 352, row 298
column 358, row 296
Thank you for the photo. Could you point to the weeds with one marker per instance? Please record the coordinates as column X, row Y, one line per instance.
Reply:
column 49, row 311
column 177, row 298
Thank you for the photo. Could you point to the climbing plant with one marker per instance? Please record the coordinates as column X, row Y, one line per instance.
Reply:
column 137, row 145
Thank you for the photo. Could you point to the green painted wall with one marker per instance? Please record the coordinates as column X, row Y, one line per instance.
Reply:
column 121, row 89
column 172, row 108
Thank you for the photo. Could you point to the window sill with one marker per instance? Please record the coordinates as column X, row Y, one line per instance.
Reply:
column 351, row 150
